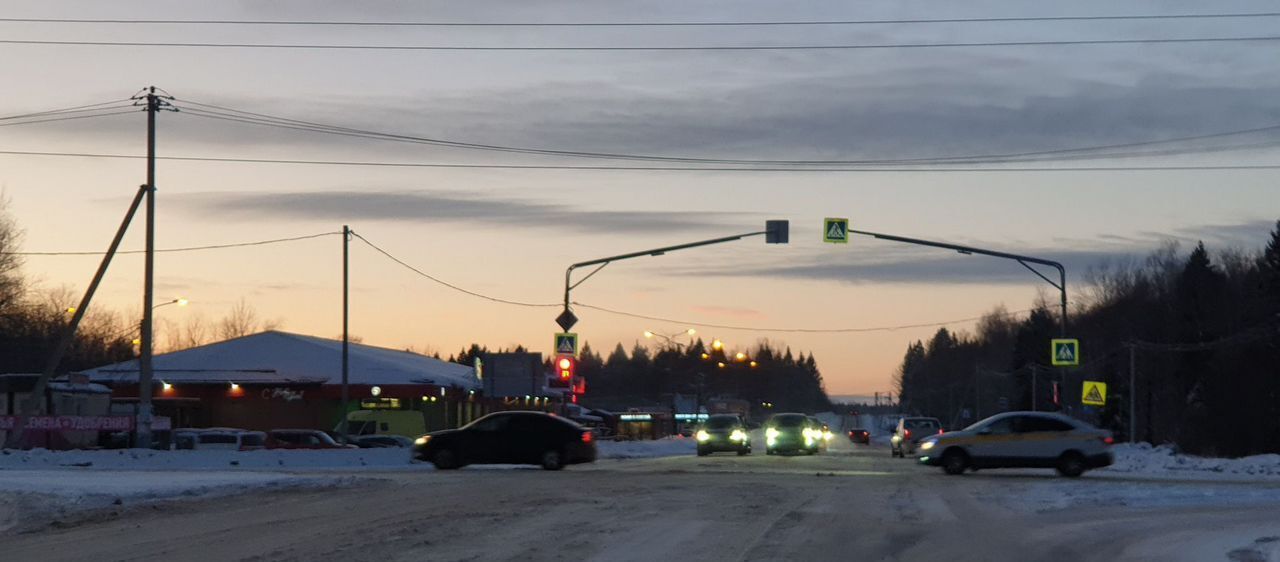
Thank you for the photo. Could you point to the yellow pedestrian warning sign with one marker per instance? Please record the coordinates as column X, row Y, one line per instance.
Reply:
column 1065, row 352
column 1094, row 394
column 835, row 231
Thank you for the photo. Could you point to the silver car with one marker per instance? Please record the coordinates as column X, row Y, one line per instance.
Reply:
column 1020, row 440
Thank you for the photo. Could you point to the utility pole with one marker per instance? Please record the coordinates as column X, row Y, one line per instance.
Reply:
column 1133, row 393
column 346, row 338
column 153, row 105
column 35, row 402
column 977, row 392
column 1034, row 396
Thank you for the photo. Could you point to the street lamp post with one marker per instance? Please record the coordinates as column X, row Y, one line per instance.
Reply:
column 670, row 339
column 145, row 415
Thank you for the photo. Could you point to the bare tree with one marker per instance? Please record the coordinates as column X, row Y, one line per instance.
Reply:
column 240, row 322
column 11, row 285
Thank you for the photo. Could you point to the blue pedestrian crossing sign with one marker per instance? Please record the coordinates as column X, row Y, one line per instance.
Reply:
column 566, row 344
column 1065, row 353
column 835, row 231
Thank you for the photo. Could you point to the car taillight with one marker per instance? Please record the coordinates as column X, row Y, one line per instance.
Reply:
column 1108, row 440
column 586, row 437
column 907, row 433
column 939, row 431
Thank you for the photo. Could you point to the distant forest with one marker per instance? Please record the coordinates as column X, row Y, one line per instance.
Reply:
column 1201, row 329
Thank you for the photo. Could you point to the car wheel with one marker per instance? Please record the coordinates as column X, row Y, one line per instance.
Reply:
column 1071, row 464
column 552, row 460
column 894, row 453
column 702, row 452
column 744, row 452
column 445, row 459
column 954, row 462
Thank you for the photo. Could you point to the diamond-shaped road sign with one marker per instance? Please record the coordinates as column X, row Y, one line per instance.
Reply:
column 1094, row 393
column 1065, row 352
column 567, row 344
column 566, row 320
column 835, row 231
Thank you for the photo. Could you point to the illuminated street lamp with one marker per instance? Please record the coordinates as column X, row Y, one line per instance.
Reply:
column 670, row 339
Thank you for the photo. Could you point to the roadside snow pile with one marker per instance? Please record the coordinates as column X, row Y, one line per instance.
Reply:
column 1144, row 459
column 668, row 447
column 144, row 459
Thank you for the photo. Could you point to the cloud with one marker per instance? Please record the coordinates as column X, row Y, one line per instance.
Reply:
column 329, row 206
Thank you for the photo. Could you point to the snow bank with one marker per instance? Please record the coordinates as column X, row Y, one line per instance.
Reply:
column 143, row 459
column 31, row 499
column 1144, row 459
column 668, row 447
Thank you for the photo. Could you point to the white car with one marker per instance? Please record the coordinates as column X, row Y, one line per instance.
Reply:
column 1021, row 440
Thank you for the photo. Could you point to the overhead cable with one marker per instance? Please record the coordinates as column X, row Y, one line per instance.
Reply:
column 653, row 48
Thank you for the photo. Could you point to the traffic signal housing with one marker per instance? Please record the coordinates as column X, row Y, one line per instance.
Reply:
column 566, row 367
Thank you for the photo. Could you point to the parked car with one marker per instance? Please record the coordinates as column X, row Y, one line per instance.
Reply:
column 382, row 441
column 516, row 437
column 1021, row 440
column 859, row 435
column 789, row 433
column 908, row 433
column 218, row 439
column 302, row 439
column 724, row 432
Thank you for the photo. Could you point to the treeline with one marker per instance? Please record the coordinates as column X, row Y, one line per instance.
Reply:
column 1201, row 330
column 646, row 378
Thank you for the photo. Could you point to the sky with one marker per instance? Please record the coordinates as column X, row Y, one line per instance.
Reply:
column 510, row 233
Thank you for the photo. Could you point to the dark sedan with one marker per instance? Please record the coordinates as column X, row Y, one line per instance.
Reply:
column 509, row 438
column 859, row 435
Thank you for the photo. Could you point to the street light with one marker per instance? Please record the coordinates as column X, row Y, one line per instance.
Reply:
column 670, row 339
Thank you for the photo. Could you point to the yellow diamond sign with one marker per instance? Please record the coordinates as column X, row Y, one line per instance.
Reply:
column 1094, row 393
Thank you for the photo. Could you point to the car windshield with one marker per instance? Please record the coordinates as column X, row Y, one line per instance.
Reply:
column 922, row 424
column 790, row 420
column 722, row 422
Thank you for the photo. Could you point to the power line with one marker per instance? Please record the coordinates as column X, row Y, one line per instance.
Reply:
column 318, row 46
column 1078, row 153
column 186, row 249
column 448, row 284
column 647, row 23
column 74, row 109
column 795, row 330
column 646, row 168
column 70, row 118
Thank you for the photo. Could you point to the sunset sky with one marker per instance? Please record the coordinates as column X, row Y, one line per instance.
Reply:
column 510, row 233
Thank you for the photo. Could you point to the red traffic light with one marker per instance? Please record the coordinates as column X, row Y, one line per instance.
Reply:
column 565, row 367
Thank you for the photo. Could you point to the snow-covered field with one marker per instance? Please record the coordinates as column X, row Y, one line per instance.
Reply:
column 669, row 447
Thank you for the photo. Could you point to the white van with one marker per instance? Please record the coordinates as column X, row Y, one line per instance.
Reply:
column 218, row 439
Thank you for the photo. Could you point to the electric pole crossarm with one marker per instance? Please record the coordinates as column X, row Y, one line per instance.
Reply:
column 969, row 250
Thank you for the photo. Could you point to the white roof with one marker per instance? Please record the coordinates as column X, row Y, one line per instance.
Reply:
column 282, row 357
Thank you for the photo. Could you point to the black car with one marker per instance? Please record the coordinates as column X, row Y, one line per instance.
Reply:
column 509, row 438
column 724, row 432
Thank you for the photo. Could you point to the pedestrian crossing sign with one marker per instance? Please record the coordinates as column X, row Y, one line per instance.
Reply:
column 1065, row 353
column 835, row 231
column 567, row 343
column 1094, row 393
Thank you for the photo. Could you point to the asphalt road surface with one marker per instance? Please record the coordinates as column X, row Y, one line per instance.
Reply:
column 847, row 504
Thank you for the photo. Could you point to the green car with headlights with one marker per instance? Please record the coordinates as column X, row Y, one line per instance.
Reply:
column 723, row 432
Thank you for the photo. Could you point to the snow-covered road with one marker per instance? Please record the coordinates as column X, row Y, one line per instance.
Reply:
column 847, row 504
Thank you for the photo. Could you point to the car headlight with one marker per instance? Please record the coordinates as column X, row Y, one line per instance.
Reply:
column 422, row 440
column 928, row 445
column 702, row 435
column 771, row 433
column 737, row 435
column 826, row 435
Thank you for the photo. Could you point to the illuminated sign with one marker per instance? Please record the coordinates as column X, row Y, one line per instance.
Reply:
column 635, row 417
